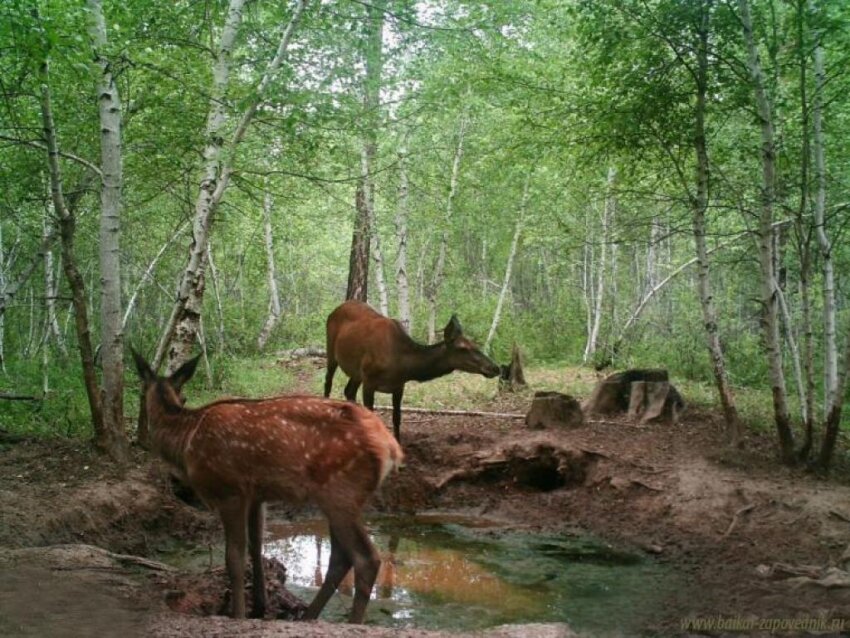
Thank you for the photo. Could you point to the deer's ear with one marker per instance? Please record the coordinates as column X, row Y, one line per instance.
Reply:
column 184, row 373
column 452, row 330
column 142, row 368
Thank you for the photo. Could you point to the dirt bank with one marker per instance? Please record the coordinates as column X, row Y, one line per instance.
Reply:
column 722, row 521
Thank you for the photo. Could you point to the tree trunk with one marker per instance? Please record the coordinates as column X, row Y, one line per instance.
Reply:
column 67, row 226
column 377, row 253
column 510, row 265
column 804, row 247
column 3, row 266
column 770, row 320
column 274, row 297
column 182, row 327
column 50, row 293
column 433, row 288
column 219, row 310
column 112, row 337
column 601, row 269
column 699, row 206
column 401, row 234
column 358, row 261
column 830, row 353
column 365, row 234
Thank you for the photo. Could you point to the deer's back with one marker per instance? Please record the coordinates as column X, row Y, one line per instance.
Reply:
column 359, row 336
column 288, row 448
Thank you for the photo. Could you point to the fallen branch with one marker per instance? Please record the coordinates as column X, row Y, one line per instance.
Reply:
column 19, row 397
column 500, row 415
column 301, row 353
column 735, row 518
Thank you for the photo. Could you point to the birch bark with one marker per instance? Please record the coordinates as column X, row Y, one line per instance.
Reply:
column 509, row 267
column 112, row 335
column 274, row 297
column 402, row 284
column 433, row 287
column 770, row 318
column 182, row 327
column 699, row 206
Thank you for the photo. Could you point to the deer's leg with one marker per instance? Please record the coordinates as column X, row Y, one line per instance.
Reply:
column 351, row 390
column 338, row 566
column 329, row 375
column 234, row 515
column 256, row 525
column 354, row 539
column 369, row 397
column 397, row 396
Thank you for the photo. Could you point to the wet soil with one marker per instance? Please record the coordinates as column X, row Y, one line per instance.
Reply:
column 718, row 518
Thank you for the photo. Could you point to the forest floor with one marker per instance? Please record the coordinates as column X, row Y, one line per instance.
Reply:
column 749, row 539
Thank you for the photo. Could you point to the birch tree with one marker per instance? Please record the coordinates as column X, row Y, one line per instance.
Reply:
column 274, row 297
column 699, row 206
column 112, row 335
column 402, row 285
column 506, row 282
column 181, row 329
column 770, row 316
column 432, row 288
column 601, row 268
column 67, row 227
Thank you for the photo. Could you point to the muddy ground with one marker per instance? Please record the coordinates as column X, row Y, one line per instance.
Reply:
column 750, row 539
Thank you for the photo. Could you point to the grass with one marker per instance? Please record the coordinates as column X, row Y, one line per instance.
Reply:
column 64, row 410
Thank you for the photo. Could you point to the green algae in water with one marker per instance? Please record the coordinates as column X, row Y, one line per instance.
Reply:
column 466, row 574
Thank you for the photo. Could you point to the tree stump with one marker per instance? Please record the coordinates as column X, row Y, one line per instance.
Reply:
column 512, row 376
column 612, row 395
column 553, row 409
column 654, row 402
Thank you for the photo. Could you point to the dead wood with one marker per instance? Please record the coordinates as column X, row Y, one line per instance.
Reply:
column 499, row 415
column 738, row 514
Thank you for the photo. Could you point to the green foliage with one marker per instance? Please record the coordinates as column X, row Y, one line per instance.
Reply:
column 554, row 92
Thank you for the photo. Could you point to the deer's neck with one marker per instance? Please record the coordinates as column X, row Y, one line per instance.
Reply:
column 423, row 363
column 170, row 433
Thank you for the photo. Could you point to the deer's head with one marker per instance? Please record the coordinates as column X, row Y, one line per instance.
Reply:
column 165, row 393
column 464, row 355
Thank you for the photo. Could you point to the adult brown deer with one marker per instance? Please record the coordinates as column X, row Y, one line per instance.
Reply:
column 375, row 351
column 239, row 453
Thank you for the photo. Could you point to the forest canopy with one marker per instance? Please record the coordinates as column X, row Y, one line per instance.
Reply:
column 614, row 183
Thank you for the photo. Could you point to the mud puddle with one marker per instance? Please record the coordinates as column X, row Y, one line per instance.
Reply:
column 455, row 573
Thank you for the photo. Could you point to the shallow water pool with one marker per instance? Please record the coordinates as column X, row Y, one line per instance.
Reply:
column 442, row 572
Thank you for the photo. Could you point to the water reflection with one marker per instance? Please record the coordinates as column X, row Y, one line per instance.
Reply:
column 440, row 574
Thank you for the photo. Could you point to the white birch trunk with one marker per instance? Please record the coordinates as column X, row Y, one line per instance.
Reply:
column 509, row 267
column 219, row 310
column 112, row 335
column 402, row 284
column 50, row 293
column 274, row 297
column 830, row 346
column 439, row 268
column 377, row 253
column 601, row 269
column 773, row 344
column 699, row 207
column 182, row 326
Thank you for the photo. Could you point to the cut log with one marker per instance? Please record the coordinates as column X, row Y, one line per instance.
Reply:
column 553, row 409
